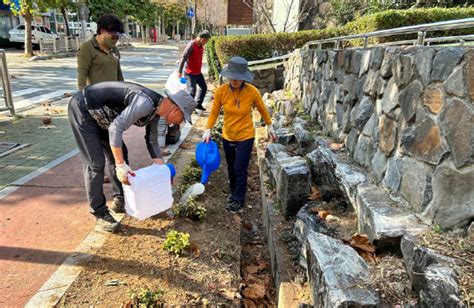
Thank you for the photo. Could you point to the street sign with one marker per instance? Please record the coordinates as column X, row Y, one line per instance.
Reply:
column 190, row 13
column 16, row 4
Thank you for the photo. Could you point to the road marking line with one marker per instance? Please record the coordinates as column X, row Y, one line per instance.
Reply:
column 25, row 103
column 26, row 91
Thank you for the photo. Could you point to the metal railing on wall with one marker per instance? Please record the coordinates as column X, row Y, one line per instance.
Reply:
column 7, row 92
column 420, row 30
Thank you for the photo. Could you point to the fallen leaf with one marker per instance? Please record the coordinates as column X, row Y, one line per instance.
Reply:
column 247, row 226
column 254, row 291
column 252, row 269
column 336, row 146
column 315, row 193
column 186, row 146
column 248, row 303
column 195, row 250
column 361, row 241
column 323, row 214
column 228, row 294
column 237, row 219
column 368, row 257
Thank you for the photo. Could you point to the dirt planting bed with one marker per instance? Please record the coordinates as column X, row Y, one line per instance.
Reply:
column 226, row 263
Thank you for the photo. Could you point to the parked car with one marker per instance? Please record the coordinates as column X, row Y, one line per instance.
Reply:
column 17, row 35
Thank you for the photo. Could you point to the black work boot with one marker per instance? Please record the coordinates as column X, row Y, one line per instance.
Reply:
column 118, row 206
column 235, row 207
column 106, row 222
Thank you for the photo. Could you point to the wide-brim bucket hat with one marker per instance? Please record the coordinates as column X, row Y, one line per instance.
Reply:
column 237, row 69
column 185, row 102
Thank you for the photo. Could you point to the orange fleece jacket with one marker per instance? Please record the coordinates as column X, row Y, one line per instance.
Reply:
column 238, row 104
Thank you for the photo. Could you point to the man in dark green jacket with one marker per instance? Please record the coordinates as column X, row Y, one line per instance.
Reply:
column 99, row 59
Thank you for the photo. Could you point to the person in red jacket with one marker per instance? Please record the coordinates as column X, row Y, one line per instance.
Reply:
column 192, row 59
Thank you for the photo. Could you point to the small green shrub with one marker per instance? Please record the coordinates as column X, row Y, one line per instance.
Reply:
column 176, row 242
column 193, row 209
column 191, row 175
column 146, row 297
column 438, row 229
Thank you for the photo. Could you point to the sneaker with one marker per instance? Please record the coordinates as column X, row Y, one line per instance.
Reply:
column 200, row 107
column 235, row 207
column 106, row 222
column 118, row 206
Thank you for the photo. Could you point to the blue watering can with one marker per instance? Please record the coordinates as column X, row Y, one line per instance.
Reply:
column 208, row 157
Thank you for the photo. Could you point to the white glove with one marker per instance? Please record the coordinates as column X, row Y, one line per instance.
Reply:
column 271, row 133
column 207, row 135
column 122, row 171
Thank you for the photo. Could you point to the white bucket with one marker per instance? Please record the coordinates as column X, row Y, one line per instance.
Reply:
column 149, row 192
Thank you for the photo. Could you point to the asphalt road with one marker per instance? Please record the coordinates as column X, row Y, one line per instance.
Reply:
column 39, row 81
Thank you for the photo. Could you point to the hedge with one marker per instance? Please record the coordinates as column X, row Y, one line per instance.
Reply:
column 260, row 46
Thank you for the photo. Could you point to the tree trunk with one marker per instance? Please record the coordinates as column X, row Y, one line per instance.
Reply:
column 144, row 36
column 28, row 44
column 125, row 26
column 66, row 23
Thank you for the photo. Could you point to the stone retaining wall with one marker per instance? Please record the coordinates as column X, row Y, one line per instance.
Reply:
column 405, row 114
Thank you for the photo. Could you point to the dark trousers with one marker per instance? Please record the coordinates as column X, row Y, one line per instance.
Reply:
column 197, row 80
column 94, row 147
column 237, row 155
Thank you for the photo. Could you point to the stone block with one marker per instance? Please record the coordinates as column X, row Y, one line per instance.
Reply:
column 293, row 183
column 387, row 134
column 379, row 164
column 365, row 62
column 444, row 62
column 469, row 73
column 271, row 153
column 349, row 89
column 393, row 175
column 279, row 121
column 417, row 259
column 346, row 285
column 409, row 98
column 404, row 67
column 348, row 180
column 455, row 83
column 440, row 288
column 388, row 59
column 304, row 138
column 362, row 112
column 376, row 57
column 369, row 127
column 390, row 97
column 372, row 86
column 426, row 144
column 347, row 60
column 433, row 98
column 322, row 164
column 364, row 151
column 457, row 125
column 424, row 63
column 452, row 205
column 285, row 135
column 381, row 219
column 351, row 140
column 416, row 184
column 356, row 62
column 306, row 222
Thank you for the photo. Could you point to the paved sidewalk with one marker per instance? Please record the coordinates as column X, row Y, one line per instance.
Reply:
column 44, row 220
column 44, row 143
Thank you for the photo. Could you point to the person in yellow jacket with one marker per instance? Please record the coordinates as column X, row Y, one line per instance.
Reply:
column 237, row 97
